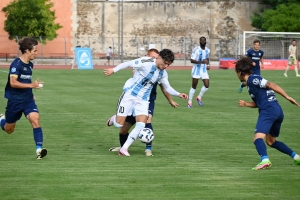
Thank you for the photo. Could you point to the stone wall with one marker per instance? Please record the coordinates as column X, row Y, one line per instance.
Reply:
column 166, row 24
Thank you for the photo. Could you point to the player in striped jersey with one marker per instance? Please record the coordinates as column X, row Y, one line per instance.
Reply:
column 137, row 91
column 200, row 60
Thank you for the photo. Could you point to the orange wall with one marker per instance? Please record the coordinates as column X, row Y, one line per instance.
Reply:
column 58, row 46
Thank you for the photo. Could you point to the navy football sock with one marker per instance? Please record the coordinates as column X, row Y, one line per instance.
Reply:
column 2, row 123
column 280, row 146
column 149, row 145
column 261, row 148
column 38, row 137
column 123, row 138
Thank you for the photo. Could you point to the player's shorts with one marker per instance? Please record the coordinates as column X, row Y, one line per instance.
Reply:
column 292, row 61
column 199, row 72
column 108, row 57
column 269, row 121
column 131, row 119
column 14, row 110
column 129, row 104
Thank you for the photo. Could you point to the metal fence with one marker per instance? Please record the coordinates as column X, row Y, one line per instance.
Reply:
column 62, row 48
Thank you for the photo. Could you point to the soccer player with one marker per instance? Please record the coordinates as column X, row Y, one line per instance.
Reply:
column 18, row 91
column 262, row 93
column 200, row 60
column 130, row 120
column 137, row 91
column 256, row 56
column 108, row 55
column 292, row 60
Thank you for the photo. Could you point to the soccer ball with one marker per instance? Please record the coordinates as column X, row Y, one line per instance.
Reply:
column 146, row 135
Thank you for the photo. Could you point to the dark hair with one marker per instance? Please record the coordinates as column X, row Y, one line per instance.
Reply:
column 243, row 65
column 256, row 41
column 109, row 47
column 202, row 38
column 152, row 50
column 167, row 55
column 27, row 43
column 293, row 40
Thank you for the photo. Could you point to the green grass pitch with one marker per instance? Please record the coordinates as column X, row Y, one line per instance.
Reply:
column 200, row 153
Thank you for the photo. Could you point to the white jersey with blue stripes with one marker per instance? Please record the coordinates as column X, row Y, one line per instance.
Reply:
column 199, row 54
column 145, row 76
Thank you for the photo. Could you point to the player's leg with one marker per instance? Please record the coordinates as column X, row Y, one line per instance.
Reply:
column 280, row 146
column 262, row 128
column 195, row 78
column 296, row 67
column 287, row 68
column 32, row 114
column 203, row 90
column 123, row 133
column 108, row 60
column 141, row 110
column 13, row 113
column 124, row 107
column 148, row 149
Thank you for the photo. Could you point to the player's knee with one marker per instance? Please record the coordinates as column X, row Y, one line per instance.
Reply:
column 140, row 125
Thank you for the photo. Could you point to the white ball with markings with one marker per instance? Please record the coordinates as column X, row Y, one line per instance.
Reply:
column 146, row 135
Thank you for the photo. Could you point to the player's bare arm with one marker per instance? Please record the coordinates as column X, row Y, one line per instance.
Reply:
column 243, row 103
column 168, row 97
column 206, row 61
column 276, row 88
column 14, row 83
column 262, row 62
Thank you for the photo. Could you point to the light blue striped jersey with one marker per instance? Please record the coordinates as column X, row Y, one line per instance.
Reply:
column 199, row 54
column 145, row 76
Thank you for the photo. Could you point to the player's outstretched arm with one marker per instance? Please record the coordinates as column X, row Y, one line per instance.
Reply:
column 108, row 72
column 276, row 88
column 14, row 83
column 243, row 103
column 168, row 97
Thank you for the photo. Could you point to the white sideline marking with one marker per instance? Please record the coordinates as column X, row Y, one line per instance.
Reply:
column 4, row 71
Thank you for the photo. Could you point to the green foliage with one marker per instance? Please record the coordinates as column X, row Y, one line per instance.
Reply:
column 285, row 18
column 277, row 17
column 30, row 18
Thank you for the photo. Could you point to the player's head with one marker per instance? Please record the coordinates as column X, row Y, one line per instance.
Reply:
column 109, row 47
column 243, row 67
column 202, row 41
column 28, row 46
column 256, row 45
column 153, row 53
column 164, row 59
column 294, row 42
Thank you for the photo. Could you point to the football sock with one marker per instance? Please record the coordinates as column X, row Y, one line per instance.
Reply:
column 202, row 91
column 191, row 94
column 261, row 148
column 123, row 138
column 2, row 123
column 115, row 123
column 38, row 137
column 295, row 156
column 280, row 146
column 133, row 134
column 242, row 85
column 149, row 145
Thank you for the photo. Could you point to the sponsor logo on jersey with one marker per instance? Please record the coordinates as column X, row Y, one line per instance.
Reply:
column 25, row 76
column 255, row 81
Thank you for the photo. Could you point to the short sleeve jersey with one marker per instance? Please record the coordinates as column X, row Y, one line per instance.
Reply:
column 258, row 92
column 23, row 72
column 199, row 54
column 255, row 57
column 108, row 51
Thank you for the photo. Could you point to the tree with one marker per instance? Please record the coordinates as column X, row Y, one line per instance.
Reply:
column 285, row 18
column 267, row 5
column 32, row 18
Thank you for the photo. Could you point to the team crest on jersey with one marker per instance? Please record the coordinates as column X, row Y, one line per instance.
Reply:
column 255, row 81
column 259, row 54
column 136, row 62
column 25, row 68
column 13, row 70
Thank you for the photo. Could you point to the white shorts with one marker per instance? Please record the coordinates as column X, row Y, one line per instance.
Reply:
column 128, row 104
column 199, row 72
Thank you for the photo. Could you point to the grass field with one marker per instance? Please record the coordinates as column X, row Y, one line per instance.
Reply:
column 200, row 153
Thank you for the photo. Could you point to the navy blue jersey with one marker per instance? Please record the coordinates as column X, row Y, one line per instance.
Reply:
column 153, row 93
column 255, row 57
column 23, row 72
column 263, row 97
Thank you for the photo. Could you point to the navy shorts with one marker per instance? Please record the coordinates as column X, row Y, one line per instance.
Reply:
column 131, row 119
column 269, row 121
column 14, row 110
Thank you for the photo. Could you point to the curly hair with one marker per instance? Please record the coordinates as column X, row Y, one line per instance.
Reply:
column 27, row 43
column 243, row 65
column 167, row 55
